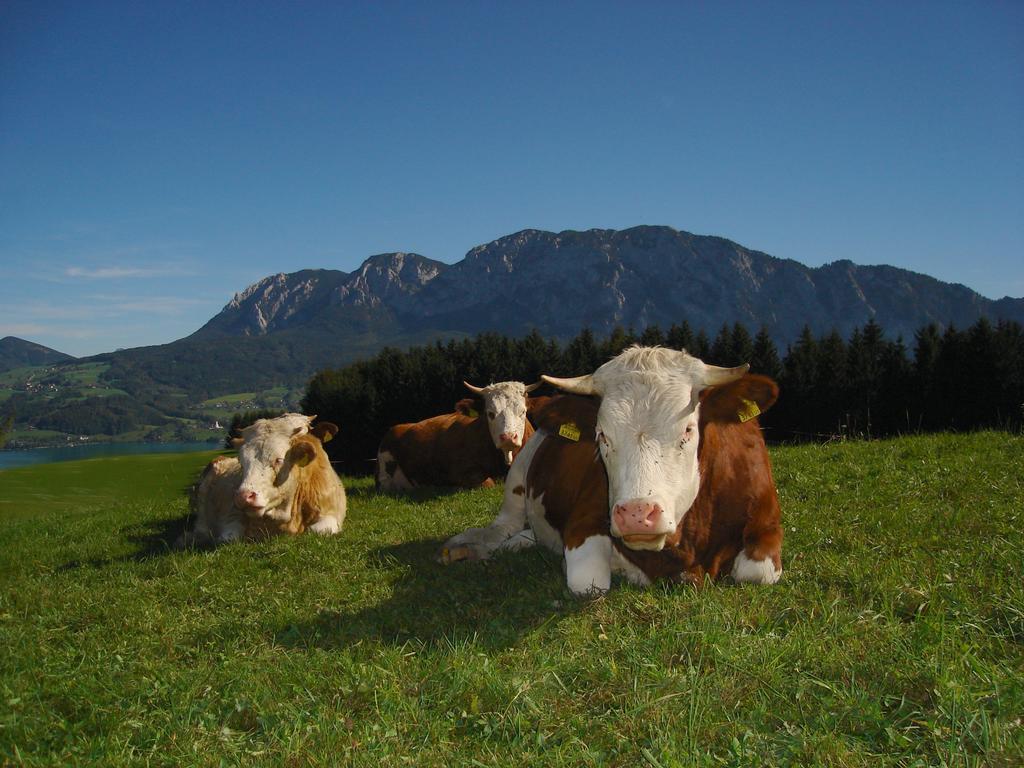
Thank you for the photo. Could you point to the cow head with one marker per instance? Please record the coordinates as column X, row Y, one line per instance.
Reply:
column 505, row 409
column 271, row 453
column 647, row 433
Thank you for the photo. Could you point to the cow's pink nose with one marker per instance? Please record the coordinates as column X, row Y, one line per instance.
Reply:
column 509, row 437
column 245, row 498
column 637, row 517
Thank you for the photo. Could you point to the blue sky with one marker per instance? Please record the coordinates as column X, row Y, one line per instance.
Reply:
column 157, row 157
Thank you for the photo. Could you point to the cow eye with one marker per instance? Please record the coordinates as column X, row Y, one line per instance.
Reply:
column 491, row 415
column 278, row 461
column 602, row 439
column 688, row 434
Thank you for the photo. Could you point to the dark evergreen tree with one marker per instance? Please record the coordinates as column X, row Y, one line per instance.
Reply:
column 764, row 358
column 741, row 345
column 701, row 347
column 680, row 337
column 798, row 379
column 582, row 355
column 618, row 341
column 652, row 337
column 925, row 407
column 831, row 390
column 721, row 348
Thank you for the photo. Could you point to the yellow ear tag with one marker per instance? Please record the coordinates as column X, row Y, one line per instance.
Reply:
column 472, row 413
column 748, row 410
column 570, row 432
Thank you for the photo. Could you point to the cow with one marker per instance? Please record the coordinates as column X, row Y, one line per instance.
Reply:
column 281, row 483
column 655, row 468
column 465, row 449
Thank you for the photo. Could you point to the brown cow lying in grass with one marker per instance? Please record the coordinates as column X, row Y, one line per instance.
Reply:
column 664, row 475
column 281, row 483
column 464, row 449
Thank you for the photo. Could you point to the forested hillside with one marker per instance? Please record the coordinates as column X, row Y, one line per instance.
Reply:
column 866, row 385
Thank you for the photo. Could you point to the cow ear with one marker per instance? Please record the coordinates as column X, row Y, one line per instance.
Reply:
column 738, row 401
column 324, row 431
column 302, row 453
column 466, row 407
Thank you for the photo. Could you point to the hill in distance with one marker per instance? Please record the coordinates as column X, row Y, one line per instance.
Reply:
column 18, row 353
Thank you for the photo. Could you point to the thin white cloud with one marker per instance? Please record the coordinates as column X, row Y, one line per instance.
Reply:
column 21, row 329
column 117, row 273
column 104, row 307
column 29, row 330
column 161, row 305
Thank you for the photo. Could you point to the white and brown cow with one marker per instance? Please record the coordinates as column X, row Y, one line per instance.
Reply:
column 665, row 476
column 281, row 483
column 465, row 449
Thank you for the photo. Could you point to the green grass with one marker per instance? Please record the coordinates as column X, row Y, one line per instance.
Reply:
column 896, row 636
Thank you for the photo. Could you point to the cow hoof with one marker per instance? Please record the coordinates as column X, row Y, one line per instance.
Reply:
column 449, row 555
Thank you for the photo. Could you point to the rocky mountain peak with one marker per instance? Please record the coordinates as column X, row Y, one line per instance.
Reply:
column 272, row 303
column 387, row 276
column 560, row 282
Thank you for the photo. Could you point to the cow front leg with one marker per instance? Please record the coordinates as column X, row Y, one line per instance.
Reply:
column 760, row 560
column 746, row 570
column 327, row 525
column 508, row 531
column 588, row 567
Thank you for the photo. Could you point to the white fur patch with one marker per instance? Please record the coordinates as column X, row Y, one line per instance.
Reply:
column 588, row 567
column 395, row 482
column 754, row 571
column 326, row 526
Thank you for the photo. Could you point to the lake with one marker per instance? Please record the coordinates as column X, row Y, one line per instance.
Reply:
column 11, row 459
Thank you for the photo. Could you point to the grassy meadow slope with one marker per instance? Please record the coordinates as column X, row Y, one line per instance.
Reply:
column 896, row 636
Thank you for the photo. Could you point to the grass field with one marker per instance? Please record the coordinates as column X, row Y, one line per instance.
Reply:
column 895, row 638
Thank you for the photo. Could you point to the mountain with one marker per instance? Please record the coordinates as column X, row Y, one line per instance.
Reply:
column 601, row 278
column 320, row 296
column 17, row 353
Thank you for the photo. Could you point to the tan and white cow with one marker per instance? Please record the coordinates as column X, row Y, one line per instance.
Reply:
column 465, row 449
column 281, row 483
column 665, row 476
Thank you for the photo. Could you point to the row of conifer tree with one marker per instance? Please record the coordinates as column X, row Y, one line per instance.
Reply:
column 866, row 385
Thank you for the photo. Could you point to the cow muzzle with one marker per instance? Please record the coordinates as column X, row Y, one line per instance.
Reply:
column 641, row 524
column 249, row 502
column 510, row 441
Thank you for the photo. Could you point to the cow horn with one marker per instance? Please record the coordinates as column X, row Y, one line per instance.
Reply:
column 531, row 387
column 474, row 390
column 580, row 385
column 715, row 376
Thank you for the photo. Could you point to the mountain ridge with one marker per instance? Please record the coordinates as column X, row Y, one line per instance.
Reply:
column 560, row 282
